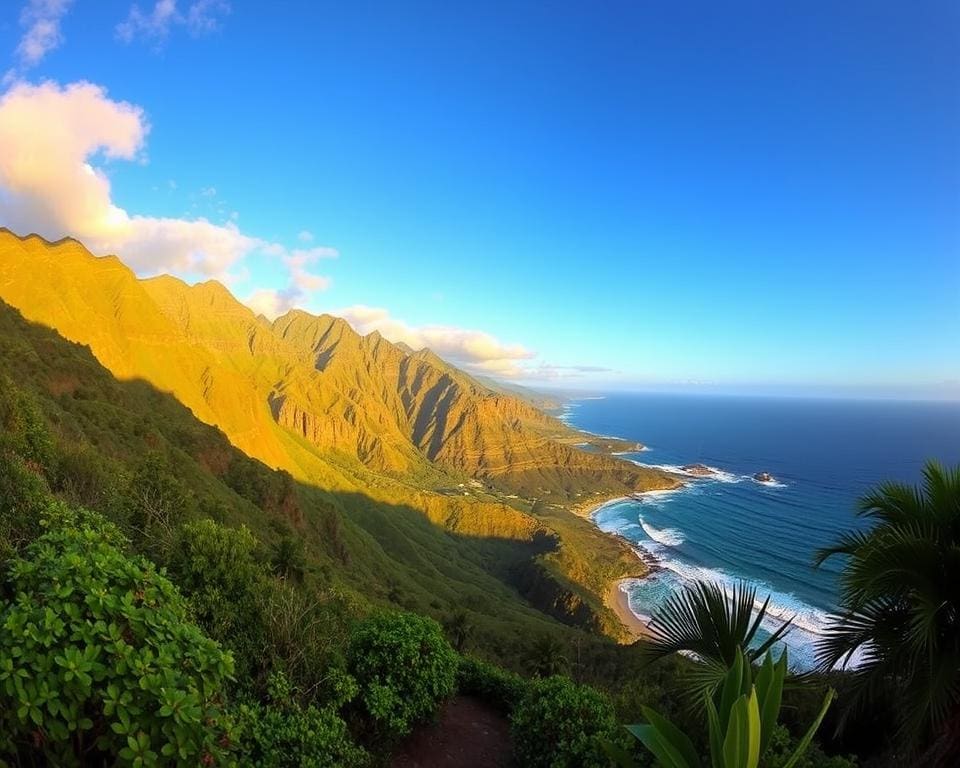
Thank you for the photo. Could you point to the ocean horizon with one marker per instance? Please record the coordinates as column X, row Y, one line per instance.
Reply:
column 823, row 455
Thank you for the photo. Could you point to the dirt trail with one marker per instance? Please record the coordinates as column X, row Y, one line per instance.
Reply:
column 467, row 734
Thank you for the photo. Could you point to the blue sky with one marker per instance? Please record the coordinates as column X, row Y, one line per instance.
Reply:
column 722, row 196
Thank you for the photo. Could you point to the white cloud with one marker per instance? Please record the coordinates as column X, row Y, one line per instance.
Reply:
column 301, row 285
column 40, row 20
column 203, row 16
column 200, row 18
column 550, row 372
column 305, row 236
column 475, row 350
column 54, row 141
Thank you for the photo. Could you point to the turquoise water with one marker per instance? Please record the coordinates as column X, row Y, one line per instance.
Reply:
column 823, row 454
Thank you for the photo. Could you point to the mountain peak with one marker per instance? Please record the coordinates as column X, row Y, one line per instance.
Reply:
column 6, row 231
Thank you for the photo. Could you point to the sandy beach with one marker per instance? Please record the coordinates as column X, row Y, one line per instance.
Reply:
column 616, row 600
column 587, row 507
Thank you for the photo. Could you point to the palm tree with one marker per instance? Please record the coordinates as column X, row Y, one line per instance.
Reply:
column 547, row 656
column 289, row 558
column 714, row 625
column 458, row 628
column 900, row 608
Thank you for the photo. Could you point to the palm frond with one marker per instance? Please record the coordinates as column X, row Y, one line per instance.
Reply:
column 900, row 595
column 711, row 622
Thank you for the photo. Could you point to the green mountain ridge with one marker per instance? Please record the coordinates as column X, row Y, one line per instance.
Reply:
column 347, row 413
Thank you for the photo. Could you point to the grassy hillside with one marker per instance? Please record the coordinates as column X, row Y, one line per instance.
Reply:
column 377, row 551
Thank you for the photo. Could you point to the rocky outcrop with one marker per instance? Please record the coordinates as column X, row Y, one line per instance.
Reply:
column 699, row 470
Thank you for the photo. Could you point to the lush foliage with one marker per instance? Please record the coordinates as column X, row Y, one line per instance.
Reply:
column 900, row 606
column 741, row 720
column 547, row 656
column 25, row 449
column 23, row 497
column 100, row 657
column 283, row 734
column 405, row 668
column 215, row 566
column 559, row 724
column 783, row 747
column 498, row 687
column 23, row 430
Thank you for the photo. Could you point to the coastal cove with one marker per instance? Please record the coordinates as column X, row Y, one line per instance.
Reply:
column 723, row 524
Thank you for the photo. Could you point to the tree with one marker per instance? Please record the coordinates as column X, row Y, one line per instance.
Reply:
column 289, row 558
column 23, row 428
column 547, row 656
column 157, row 503
column 458, row 628
column 304, row 632
column 900, row 608
column 215, row 567
column 23, row 497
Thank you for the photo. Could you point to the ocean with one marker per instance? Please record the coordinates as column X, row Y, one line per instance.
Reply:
column 823, row 455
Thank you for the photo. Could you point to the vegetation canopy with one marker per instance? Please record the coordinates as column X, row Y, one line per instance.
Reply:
column 100, row 656
column 404, row 667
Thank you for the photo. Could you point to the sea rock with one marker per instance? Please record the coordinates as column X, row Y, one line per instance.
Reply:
column 701, row 470
column 764, row 477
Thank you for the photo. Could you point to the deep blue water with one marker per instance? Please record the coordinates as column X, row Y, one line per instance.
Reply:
column 824, row 455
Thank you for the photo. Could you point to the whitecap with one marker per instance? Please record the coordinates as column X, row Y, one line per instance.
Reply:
column 669, row 537
column 768, row 483
column 782, row 605
column 717, row 474
column 660, row 495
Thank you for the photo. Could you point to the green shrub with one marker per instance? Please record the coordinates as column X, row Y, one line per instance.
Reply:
column 741, row 719
column 86, row 478
column 23, row 428
column 783, row 745
column 23, row 497
column 98, row 660
column 157, row 502
column 405, row 668
column 498, row 687
column 215, row 567
column 306, row 632
column 559, row 724
column 281, row 734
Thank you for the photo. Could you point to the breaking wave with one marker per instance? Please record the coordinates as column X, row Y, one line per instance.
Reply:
column 669, row 537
